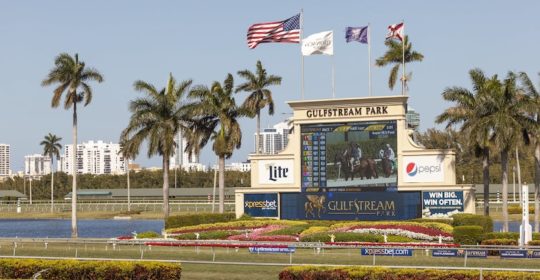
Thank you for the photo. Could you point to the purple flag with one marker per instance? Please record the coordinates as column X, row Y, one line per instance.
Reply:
column 359, row 34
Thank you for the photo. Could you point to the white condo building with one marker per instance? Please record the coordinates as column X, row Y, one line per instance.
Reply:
column 37, row 165
column 4, row 160
column 94, row 158
column 181, row 159
column 273, row 140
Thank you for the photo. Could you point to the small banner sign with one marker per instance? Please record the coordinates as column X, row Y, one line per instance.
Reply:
column 270, row 250
column 459, row 253
column 513, row 254
column 386, row 252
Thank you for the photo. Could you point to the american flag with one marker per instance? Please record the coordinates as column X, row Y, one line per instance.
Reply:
column 395, row 31
column 285, row 31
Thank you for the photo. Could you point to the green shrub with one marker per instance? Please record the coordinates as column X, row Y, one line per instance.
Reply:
column 509, row 242
column 148, row 234
column 516, row 209
column 473, row 220
column 292, row 230
column 423, row 220
column 342, row 237
column 197, row 219
column 534, row 243
column 507, row 235
column 207, row 235
column 399, row 239
column 72, row 269
column 376, row 273
column 468, row 235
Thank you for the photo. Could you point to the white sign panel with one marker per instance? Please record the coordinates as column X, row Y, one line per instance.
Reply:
column 276, row 172
column 423, row 169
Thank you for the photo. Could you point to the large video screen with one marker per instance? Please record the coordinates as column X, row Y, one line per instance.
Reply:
column 359, row 154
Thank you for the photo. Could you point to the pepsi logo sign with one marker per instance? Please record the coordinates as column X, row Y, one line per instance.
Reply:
column 411, row 169
column 419, row 169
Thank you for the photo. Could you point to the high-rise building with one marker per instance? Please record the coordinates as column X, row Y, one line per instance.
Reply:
column 4, row 161
column 181, row 159
column 274, row 140
column 94, row 158
column 37, row 165
column 413, row 119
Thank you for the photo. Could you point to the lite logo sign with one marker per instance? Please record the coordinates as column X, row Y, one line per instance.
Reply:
column 273, row 172
column 420, row 169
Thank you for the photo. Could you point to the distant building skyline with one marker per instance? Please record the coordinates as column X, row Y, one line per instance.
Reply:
column 94, row 158
column 5, row 155
column 413, row 119
column 37, row 165
column 274, row 140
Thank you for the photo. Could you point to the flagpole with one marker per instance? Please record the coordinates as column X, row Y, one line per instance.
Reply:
column 403, row 61
column 369, row 58
column 333, row 78
column 301, row 38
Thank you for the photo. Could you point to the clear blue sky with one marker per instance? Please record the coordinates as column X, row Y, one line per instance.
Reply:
column 204, row 40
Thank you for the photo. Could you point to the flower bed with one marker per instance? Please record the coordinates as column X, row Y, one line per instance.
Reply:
column 411, row 231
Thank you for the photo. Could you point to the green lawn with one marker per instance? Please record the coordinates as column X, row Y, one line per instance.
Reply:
column 243, row 271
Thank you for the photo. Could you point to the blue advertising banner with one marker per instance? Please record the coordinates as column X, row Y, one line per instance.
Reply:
column 261, row 205
column 444, row 253
column 533, row 254
column 386, row 252
column 268, row 250
column 459, row 253
column 513, row 254
column 367, row 206
column 442, row 202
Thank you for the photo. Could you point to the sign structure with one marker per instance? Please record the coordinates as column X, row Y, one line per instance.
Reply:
column 423, row 169
column 459, row 253
column 261, row 205
column 349, row 154
column 368, row 206
column 275, row 172
column 386, row 252
column 514, row 254
column 442, row 202
column 272, row 250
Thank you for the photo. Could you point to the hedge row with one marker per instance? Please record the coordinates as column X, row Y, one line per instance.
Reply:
column 517, row 209
column 72, row 269
column 371, row 273
column 198, row 219
column 473, row 220
column 468, row 235
column 507, row 235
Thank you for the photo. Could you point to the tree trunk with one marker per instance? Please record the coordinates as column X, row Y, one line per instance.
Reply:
column 128, row 189
column 257, row 145
column 74, row 230
column 537, row 187
column 221, row 183
column 52, row 183
column 504, row 169
column 485, row 178
column 165, row 187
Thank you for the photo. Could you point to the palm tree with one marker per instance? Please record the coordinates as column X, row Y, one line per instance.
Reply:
column 394, row 55
column 216, row 114
column 534, row 113
column 51, row 148
column 128, row 151
column 505, row 116
column 468, row 112
column 260, row 96
column 71, row 75
column 157, row 118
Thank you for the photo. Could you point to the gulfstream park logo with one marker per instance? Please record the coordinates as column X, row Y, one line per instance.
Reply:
column 347, row 112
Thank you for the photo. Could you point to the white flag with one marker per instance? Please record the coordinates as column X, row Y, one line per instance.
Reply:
column 319, row 43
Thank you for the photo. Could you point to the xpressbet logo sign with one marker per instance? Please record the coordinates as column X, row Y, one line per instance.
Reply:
column 420, row 169
column 262, row 204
